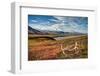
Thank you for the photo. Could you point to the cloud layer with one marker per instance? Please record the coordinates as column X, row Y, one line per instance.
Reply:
column 59, row 23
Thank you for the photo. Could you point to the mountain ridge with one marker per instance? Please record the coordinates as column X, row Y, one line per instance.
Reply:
column 44, row 32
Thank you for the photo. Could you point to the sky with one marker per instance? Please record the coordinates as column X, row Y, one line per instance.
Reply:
column 59, row 23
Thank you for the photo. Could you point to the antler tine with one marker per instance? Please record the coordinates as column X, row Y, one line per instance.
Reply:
column 63, row 50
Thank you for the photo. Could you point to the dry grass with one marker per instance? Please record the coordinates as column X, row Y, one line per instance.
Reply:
column 44, row 49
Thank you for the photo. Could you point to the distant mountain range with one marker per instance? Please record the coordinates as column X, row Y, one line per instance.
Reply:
column 45, row 32
column 34, row 31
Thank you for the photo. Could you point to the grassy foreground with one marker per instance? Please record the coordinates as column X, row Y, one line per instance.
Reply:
column 45, row 49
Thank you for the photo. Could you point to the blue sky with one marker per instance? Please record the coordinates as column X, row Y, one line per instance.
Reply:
column 59, row 23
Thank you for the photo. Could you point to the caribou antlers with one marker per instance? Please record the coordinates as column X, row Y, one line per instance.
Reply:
column 74, row 49
column 63, row 50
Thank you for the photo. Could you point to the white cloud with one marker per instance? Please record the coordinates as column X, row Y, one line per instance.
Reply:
column 34, row 20
column 60, row 18
column 54, row 27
